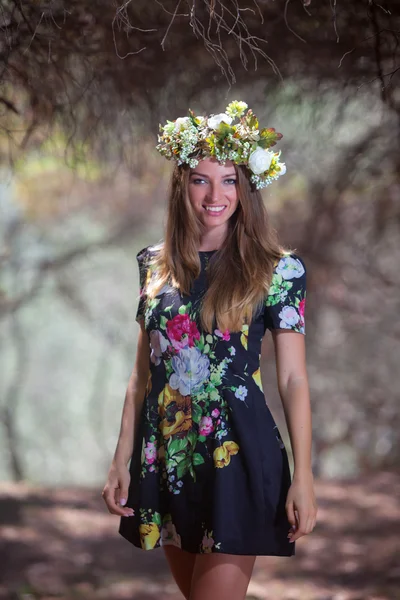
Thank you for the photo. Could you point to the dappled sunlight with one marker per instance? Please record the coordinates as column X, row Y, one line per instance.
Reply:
column 63, row 542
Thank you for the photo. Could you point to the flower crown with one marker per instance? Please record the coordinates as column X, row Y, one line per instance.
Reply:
column 190, row 139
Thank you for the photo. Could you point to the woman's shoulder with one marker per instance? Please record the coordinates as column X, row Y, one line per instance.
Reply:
column 147, row 252
column 290, row 265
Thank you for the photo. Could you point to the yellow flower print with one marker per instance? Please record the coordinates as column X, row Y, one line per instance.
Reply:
column 232, row 447
column 221, row 457
column 244, row 335
column 149, row 535
column 183, row 422
column 257, row 378
column 174, row 421
column 222, row 454
column 166, row 397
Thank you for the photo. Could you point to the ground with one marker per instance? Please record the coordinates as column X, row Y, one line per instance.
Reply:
column 62, row 544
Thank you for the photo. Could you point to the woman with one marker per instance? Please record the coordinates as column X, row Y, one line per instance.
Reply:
column 209, row 477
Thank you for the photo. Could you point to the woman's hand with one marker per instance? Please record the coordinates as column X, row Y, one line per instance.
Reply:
column 301, row 506
column 115, row 492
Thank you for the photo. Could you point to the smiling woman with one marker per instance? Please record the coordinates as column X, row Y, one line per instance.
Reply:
column 213, row 192
column 209, row 478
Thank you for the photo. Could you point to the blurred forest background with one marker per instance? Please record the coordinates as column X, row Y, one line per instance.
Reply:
column 83, row 87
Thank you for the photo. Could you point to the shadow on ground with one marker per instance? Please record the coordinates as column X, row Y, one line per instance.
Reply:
column 62, row 544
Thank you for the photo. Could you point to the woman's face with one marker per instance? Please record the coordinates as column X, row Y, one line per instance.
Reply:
column 213, row 192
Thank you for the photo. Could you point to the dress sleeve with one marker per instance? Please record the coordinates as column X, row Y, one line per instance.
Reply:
column 142, row 258
column 286, row 299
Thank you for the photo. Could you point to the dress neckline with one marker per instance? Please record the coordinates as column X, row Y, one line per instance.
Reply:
column 207, row 251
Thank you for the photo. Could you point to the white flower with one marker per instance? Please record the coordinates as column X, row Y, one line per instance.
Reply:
column 283, row 168
column 214, row 121
column 182, row 123
column 290, row 317
column 290, row 268
column 260, row 160
column 191, row 369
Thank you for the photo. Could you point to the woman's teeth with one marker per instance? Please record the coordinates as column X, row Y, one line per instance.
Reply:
column 215, row 209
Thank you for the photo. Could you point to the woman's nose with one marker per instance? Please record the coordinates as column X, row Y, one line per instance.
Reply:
column 215, row 192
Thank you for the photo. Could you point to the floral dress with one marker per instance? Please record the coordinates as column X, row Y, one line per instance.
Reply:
column 209, row 470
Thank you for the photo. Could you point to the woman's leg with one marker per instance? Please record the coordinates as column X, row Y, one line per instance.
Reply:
column 181, row 564
column 221, row 576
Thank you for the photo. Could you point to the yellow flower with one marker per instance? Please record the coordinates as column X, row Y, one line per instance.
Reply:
column 149, row 535
column 244, row 335
column 257, row 378
column 232, row 447
column 222, row 454
column 183, row 422
column 182, row 418
column 221, row 457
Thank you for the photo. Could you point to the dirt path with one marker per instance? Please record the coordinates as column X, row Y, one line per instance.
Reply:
column 61, row 543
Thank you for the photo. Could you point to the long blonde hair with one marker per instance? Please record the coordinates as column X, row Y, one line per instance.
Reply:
column 239, row 274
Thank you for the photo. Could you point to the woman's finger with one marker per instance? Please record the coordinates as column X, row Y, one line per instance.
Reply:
column 109, row 498
column 290, row 513
column 301, row 524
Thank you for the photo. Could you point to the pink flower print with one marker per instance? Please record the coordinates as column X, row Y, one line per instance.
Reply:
column 224, row 335
column 150, row 452
column 206, row 426
column 302, row 307
column 215, row 413
column 182, row 331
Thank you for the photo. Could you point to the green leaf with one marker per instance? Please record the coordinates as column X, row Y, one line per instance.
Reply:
column 271, row 300
column 176, row 446
column 192, row 437
column 209, row 338
column 163, row 322
column 182, row 309
column 192, row 117
column 206, row 349
column 269, row 137
column 182, row 468
column 202, row 438
column 196, row 413
column 251, row 119
column 177, row 458
column 197, row 459
column 154, row 303
column 223, row 131
column 157, row 519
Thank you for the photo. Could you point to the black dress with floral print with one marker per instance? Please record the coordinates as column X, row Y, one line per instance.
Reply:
column 209, row 470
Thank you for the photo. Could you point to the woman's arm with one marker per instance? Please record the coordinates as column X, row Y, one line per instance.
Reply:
column 116, row 489
column 293, row 388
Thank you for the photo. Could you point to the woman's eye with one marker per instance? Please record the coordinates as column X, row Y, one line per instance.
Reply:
column 198, row 180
